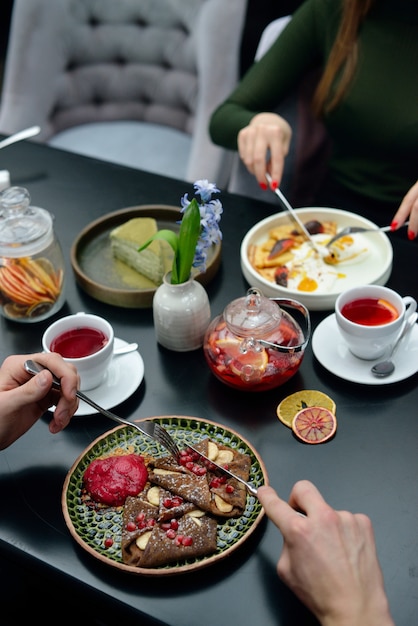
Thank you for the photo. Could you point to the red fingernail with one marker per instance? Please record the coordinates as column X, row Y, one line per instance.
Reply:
column 393, row 225
column 274, row 185
column 411, row 235
column 263, row 186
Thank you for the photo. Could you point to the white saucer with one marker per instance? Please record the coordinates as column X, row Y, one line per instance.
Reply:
column 332, row 352
column 123, row 377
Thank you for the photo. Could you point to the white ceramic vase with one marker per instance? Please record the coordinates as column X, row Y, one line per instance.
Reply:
column 181, row 314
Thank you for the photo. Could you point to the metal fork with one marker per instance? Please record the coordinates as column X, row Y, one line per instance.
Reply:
column 148, row 428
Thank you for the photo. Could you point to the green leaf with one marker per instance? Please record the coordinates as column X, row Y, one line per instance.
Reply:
column 167, row 235
column 187, row 241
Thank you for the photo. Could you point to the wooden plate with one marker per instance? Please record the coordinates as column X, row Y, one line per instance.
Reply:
column 90, row 528
column 101, row 275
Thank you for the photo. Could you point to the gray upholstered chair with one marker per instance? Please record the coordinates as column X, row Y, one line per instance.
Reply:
column 129, row 81
column 305, row 164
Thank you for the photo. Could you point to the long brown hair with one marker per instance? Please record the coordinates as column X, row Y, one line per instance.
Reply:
column 342, row 58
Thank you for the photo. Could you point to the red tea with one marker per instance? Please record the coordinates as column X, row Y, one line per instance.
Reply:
column 370, row 311
column 274, row 368
column 78, row 342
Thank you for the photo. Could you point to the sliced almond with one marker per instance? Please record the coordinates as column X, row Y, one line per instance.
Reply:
column 153, row 495
column 224, row 457
column 196, row 513
column 212, row 451
column 161, row 472
column 143, row 539
column 197, row 521
column 223, row 506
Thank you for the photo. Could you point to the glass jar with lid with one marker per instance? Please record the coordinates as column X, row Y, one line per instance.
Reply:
column 257, row 344
column 31, row 259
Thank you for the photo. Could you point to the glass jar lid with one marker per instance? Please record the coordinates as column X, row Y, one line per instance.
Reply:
column 253, row 315
column 24, row 230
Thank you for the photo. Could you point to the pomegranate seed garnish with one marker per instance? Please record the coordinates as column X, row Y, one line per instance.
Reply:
column 131, row 526
column 187, row 541
column 229, row 489
column 171, row 534
column 140, row 517
column 168, row 503
column 151, row 522
column 108, row 542
column 166, row 525
column 179, row 540
column 177, row 501
column 200, row 471
column 174, row 524
column 189, row 465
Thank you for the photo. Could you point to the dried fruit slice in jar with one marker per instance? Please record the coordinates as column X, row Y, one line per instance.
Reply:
column 314, row 424
column 299, row 400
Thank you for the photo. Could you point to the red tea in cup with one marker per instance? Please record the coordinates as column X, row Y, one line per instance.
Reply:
column 370, row 311
column 79, row 342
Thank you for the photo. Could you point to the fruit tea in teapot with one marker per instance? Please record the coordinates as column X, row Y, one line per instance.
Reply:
column 256, row 344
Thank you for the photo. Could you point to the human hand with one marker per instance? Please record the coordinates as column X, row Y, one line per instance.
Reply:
column 329, row 558
column 23, row 398
column 408, row 207
column 266, row 133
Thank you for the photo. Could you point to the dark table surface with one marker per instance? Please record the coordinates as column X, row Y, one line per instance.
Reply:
column 370, row 466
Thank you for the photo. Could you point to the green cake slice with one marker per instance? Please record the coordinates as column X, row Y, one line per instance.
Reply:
column 128, row 237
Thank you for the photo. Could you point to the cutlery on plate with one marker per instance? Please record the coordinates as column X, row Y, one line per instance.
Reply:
column 387, row 367
column 349, row 230
column 296, row 219
column 208, row 462
column 148, row 428
column 129, row 347
column 22, row 134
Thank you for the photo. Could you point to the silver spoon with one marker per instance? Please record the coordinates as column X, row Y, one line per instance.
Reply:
column 348, row 230
column 129, row 347
column 22, row 134
column 387, row 367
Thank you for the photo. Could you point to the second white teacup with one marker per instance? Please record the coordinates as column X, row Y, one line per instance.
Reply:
column 84, row 340
column 367, row 329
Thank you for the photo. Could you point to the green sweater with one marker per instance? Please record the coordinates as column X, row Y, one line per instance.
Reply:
column 374, row 130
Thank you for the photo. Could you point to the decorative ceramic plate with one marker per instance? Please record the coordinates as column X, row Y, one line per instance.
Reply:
column 373, row 266
column 109, row 280
column 90, row 528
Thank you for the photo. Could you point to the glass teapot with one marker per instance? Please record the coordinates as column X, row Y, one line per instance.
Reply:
column 31, row 260
column 256, row 345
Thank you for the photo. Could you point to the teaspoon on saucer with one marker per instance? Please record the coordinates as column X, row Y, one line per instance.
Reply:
column 129, row 347
column 387, row 367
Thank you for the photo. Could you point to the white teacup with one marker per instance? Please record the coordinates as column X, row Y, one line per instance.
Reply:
column 84, row 340
column 366, row 338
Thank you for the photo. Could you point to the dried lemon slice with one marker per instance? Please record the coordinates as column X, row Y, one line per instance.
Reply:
column 299, row 400
column 314, row 424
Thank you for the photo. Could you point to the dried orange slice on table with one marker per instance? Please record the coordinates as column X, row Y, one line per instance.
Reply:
column 314, row 424
column 299, row 400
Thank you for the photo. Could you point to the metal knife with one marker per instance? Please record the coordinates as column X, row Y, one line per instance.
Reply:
column 250, row 488
column 296, row 218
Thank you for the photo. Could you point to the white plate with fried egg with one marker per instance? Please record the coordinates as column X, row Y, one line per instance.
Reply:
column 363, row 258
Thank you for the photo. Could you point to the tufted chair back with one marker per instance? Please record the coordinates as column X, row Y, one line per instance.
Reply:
column 130, row 81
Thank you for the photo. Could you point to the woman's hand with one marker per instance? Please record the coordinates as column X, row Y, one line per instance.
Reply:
column 263, row 146
column 23, row 398
column 408, row 207
column 329, row 558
